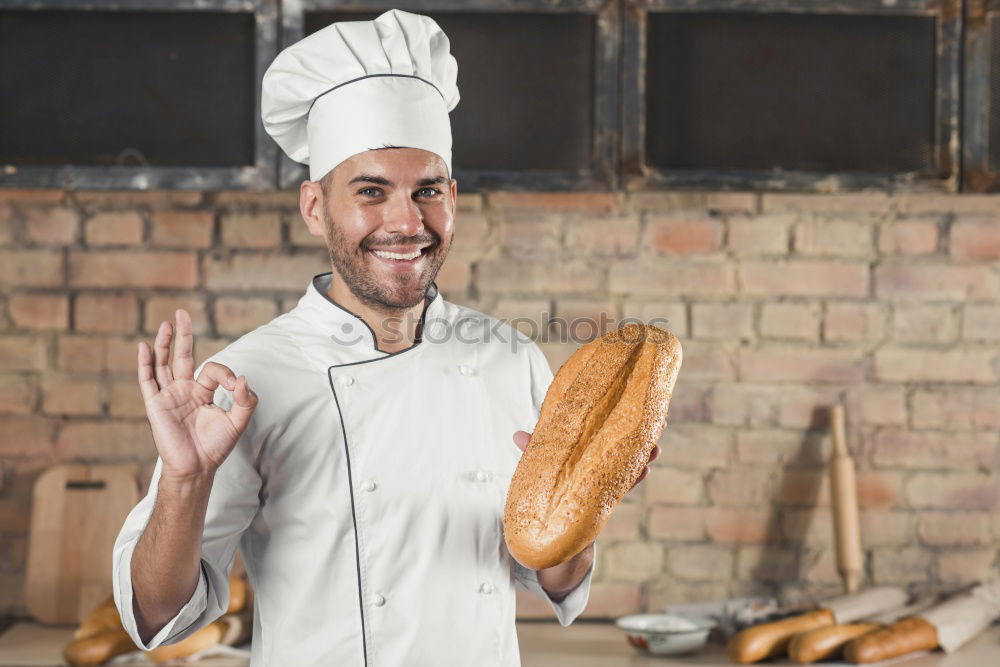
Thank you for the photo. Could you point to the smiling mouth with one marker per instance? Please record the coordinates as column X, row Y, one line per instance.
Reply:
column 402, row 258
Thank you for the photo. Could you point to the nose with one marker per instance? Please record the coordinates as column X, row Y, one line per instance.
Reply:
column 402, row 215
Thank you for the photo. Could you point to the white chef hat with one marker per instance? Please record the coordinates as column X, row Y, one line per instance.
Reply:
column 359, row 85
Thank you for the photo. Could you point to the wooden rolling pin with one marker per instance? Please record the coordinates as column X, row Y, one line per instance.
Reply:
column 844, row 492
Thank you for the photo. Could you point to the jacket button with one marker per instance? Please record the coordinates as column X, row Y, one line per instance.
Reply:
column 345, row 380
column 486, row 588
column 482, row 476
column 466, row 370
column 378, row 600
column 368, row 485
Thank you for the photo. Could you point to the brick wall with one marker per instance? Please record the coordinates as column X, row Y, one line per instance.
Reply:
column 784, row 303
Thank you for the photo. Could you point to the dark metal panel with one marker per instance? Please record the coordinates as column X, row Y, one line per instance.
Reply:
column 637, row 174
column 604, row 173
column 262, row 176
column 978, row 175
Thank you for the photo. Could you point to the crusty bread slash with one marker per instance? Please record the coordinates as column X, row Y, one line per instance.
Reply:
column 601, row 418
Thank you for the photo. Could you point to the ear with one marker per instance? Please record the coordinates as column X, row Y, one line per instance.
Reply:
column 311, row 205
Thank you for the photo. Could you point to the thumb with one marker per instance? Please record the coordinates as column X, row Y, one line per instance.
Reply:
column 244, row 403
column 521, row 439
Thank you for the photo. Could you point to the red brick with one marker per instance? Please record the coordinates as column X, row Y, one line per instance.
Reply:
column 675, row 236
column 805, row 407
column 975, row 240
column 695, row 445
column 553, row 201
column 908, row 237
column 581, row 320
column 932, row 202
column 624, row 523
column 71, row 397
column 607, row 600
column 791, row 321
column 108, row 440
column 795, row 364
column 761, row 234
column 954, row 528
column 529, row 316
column 847, row 322
column 875, row 405
column 246, row 199
column 924, row 323
column 631, row 561
column 809, row 488
column 132, row 199
column 10, row 225
column 113, row 228
column 927, row 449
column 708, row 362
column 470, row 234
column 672, row 277
column 670, row 485
column 911, row 365
column 529, row 237
column 740, row 487
column 612, row 236
column 182, row 229
column 698, row 562
column 678, row 523
column 18, row 395
column 904, row 279
column 204, row 348
column 893, row 565
column 82, row 354
column 39, row 311
column 967, row 567
column 981, row 323
column 690, row 403
column 130, row 268
column 22, row 353
column 454, row 280
column 106, row 313
column 51, row 226
column 766, row 564
column 469, row 202
column 26, row 436
column 832, row 238
column 819, row 565
column 879, row 489
column 671, row 316
column 804, row 278
column 238, row 316
column 851, row 203
column 31, row 268
column 251, row 230
column 264, row 271
column 124, row 399
column 163, row 308
column 693, row 200
column 548, row 278
column 737, row 526
column 722, row 321
column 31, row 196
column 881, row 527
column 300, row 236
column 783, row 447
column 957, row 491
column 740, row 404
column 811, row 526
column 957, row 408
column 121, row 354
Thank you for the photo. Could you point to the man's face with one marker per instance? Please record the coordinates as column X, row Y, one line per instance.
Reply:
column 389, row 218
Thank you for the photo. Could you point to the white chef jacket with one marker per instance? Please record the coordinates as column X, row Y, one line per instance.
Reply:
column 366, row 494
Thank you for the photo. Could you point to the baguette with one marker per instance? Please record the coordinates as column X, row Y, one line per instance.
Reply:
column 208, row 636
column 828, row 642
column 98, row 648
column 902, row 637
column 598, row 424
column 772, row 639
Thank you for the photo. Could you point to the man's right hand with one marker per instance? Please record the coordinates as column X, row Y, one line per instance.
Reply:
column 192, row 435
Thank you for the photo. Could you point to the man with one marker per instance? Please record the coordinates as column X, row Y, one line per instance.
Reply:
column 357, row 450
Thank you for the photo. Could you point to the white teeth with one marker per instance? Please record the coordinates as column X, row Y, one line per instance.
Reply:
column 396, row 255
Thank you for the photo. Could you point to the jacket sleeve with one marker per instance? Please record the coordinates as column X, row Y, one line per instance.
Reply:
column 233, row 502
column 571, row 606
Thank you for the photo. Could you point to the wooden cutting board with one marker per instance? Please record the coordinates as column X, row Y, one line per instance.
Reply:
column 76, row 514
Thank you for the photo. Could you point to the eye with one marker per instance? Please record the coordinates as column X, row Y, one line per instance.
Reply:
column 428, row 192
column 370, row 192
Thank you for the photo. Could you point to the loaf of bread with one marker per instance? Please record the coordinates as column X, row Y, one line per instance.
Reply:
column 772, row 639
column 98, row 648
column 825, row 643
column 600, row 419
column 902, row 637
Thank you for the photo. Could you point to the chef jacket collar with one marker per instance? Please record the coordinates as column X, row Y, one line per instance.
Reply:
column 348, row 328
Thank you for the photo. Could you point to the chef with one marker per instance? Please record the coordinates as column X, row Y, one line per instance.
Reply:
column 356, row 450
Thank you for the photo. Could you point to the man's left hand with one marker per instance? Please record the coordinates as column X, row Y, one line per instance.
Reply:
column 522, row 438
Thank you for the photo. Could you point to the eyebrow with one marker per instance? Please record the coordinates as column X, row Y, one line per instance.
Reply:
column 378, row 180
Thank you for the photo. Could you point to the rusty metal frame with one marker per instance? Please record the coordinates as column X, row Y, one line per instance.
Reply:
column 978, row 174
column 603, row 172
column 636, row 174
column 261, row 176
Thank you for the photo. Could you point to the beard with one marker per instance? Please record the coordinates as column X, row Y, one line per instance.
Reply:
column 378, row 289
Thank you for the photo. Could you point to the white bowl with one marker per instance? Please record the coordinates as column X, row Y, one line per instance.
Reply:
column 666, row 634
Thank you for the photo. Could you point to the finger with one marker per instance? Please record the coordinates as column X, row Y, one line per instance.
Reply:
column 214, row 375
column 655, row 454
column 244, row 403
column 147, row 383
column 183, row 346
column 645, row 471
column 161, row 354
column 521, row 439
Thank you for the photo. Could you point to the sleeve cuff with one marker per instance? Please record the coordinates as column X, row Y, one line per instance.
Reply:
column 568, row 608
column 176, row 627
